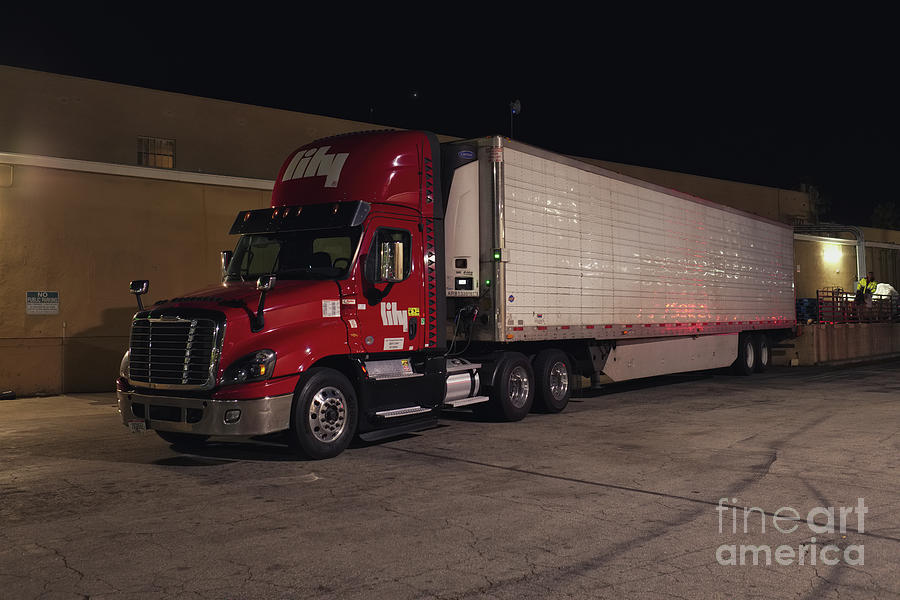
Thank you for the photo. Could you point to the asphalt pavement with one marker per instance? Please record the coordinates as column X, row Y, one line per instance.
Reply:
column 784, row 484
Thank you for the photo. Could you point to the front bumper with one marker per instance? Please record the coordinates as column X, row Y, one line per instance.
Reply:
column 206, row 416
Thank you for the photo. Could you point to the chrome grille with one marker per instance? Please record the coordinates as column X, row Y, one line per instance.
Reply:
column 174, row 352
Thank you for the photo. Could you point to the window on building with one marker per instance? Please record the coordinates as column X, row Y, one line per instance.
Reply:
column 155, row 152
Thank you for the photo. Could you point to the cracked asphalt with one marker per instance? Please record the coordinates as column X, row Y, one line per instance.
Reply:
column 617, row 497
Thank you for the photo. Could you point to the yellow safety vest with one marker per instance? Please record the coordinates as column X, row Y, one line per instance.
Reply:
column 867, row 286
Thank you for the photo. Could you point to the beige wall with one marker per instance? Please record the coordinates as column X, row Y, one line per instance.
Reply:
column 86, row 235
column 843, row 343
column 71, row 117
column 787, row 206
column 813, row 272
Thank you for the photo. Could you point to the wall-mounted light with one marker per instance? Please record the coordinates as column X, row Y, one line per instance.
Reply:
column 832, row 253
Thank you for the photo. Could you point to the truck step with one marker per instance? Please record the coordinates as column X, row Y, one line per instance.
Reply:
column 402, row 412
column 465, row 401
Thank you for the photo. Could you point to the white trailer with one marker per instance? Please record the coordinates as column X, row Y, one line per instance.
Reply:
column 647, row 280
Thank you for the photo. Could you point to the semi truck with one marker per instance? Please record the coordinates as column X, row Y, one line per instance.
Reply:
column 394, row 277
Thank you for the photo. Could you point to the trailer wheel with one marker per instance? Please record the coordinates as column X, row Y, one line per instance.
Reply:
column 183, row 440
column 746, row 358
column 763, row 352
column 553, row 381
column 324, row 416
column 512, row 393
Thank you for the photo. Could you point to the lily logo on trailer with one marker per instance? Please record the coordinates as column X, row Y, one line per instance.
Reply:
column 316, row 162
column 390, row 315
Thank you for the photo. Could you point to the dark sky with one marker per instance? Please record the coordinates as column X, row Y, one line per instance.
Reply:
column 772, row 99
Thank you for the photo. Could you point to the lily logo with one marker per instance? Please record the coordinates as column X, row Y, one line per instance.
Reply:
column 391, row 315
column 316, row 162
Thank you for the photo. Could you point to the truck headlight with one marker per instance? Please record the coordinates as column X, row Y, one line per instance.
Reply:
column 253, row 367
column 124, row 369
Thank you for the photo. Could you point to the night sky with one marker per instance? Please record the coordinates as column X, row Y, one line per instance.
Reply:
column 774, row 100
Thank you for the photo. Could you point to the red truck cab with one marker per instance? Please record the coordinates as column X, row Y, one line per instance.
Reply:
column 329, row 321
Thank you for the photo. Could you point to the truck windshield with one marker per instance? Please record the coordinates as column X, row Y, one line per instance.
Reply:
column 315, row 254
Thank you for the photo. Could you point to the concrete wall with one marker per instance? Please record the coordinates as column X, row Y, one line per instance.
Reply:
column 86, row 235
column 786, row 206
column 842, row 343
column 71, row 117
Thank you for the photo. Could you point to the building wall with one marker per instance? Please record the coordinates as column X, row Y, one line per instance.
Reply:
column 85, row 231
column 787, row 206
column 86, row 235
column 815, row 269
column 71, row 117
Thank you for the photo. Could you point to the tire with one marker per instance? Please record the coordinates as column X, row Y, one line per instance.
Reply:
column 746, row 358
column 324, row 415
column 553, row 381
column 512, row 393
column 763, row 352
column 183, row 440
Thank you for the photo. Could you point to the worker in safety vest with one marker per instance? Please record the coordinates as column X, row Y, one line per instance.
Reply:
column 864, row 291
column 867, row 285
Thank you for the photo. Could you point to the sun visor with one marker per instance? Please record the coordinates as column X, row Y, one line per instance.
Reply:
column 298, row 218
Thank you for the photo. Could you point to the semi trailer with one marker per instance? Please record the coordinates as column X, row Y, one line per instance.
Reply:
column 394, row 277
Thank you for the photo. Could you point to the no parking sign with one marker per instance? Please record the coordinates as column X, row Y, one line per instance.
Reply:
column 42, row 303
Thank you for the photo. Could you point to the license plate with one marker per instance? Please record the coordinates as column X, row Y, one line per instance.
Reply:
column 137, row 426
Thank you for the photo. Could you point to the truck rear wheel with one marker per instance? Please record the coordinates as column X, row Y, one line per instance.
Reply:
column 553, row 381
column 746, row 358
column 512, row 393
column 324, row 415
column 763, row 351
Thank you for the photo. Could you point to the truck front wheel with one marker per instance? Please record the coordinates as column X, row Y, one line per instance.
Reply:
column 553, row 380
column 324, row 416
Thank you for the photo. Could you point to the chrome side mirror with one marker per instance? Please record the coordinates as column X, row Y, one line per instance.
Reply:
column 139, row 287
column 265, row 283
column 226, row 260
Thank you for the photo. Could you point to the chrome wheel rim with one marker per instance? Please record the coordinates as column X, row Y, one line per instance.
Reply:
column 518, row 388
column 559, row 380
column 764, row 354
column 748, row 352
column 327, row 415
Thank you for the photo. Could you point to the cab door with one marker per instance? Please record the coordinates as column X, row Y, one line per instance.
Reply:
column 389, row 298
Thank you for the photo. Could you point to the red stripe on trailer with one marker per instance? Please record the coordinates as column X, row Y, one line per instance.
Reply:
column 541, row 328
column 608, row 326
column 589, row 326
column 564, row 327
